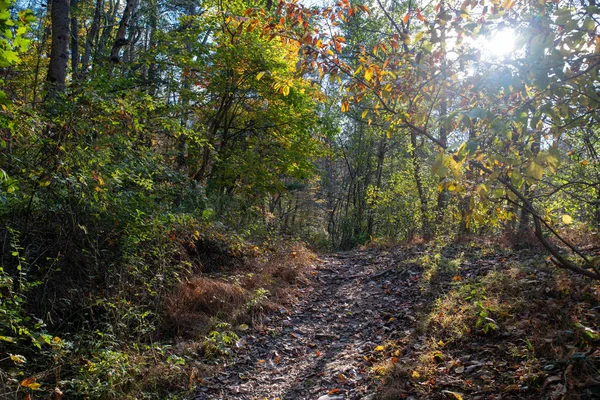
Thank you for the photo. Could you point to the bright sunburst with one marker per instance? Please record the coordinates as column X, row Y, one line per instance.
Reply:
column 501, row 43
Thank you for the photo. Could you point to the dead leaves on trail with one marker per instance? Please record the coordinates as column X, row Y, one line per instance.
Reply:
column 472, row 321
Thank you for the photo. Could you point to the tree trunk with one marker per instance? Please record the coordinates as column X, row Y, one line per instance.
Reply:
column 465, row 202
column 525, row 229
column 91, row 37
column 74, row 39
column 111, row 16
column 442, row 198
column 121, row 40
column 381, row 150
column 59, row 55
column 425, row 225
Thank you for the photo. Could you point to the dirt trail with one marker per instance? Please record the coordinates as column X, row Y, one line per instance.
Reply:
column 324, row 348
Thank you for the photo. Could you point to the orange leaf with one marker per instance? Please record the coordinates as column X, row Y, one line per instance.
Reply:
column 419, row 15
column 406, row 18
column 345, row 106
column 334, row 391
column 30, row 383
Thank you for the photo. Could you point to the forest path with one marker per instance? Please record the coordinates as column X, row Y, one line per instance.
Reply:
column 326, row 347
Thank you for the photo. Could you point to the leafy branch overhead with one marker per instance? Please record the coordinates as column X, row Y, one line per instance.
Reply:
column 428, row 73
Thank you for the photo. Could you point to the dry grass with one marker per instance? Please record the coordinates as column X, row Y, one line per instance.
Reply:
column 581, row 236
column 241, row 295
column 519, row 313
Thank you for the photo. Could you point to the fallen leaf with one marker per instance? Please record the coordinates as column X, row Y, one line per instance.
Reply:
column 334, row 391
column 454, row 395
column 379, row 348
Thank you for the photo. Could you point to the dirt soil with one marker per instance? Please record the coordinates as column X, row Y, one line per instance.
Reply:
column 339, row 342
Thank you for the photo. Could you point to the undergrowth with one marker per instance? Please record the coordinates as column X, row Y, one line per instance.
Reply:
column 497, row 319
column 171, row 294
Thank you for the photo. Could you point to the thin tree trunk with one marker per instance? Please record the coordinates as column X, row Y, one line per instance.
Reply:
column 91, row 37
column 465, row 225
column 442, row 198
column 74, row 39
column 525, row 229
column 111, row 16
column 425, row 225
column 121, row 40
column 378, row 174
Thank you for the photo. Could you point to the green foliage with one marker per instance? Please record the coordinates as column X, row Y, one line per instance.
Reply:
column 220, row 341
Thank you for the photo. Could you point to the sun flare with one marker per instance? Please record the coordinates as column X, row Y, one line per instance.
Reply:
column 501, row 43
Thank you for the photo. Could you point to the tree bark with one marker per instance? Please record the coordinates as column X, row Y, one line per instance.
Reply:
column 74, row 39
column 381, row 150
column 121, row 40
column 59, row 55
column 91, row 37
column 110, row 18
column 425, row 225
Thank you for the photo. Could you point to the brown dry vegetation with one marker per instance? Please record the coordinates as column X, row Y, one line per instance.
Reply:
column 498, row 321
column 240, row 295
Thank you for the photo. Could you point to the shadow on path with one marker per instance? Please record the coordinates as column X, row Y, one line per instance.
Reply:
column 327, row 345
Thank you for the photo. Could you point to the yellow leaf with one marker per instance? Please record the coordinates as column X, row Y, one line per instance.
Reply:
column 416, row 375
column 17, row 358
column 368, row 74
column 456, row 395
column 364, row 114
column 379, row 348
column 535, row 170
column 286, row 90
column 566, row 219
column 260, row 75
column 507, row 5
